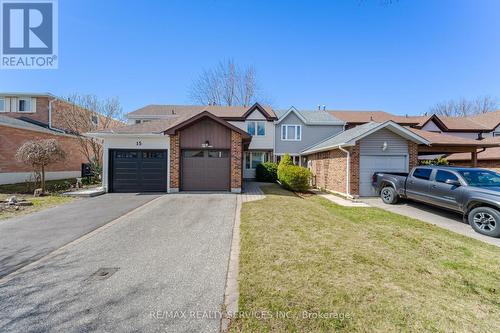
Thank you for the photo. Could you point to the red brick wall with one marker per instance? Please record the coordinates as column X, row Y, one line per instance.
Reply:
column 329, row 170
column 354, row 170
column 175, row 161
column 12, row 138
column 41, row 114
column 413, row 154
column 236, row 160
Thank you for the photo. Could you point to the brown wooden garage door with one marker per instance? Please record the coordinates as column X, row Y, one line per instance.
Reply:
column 205, row 170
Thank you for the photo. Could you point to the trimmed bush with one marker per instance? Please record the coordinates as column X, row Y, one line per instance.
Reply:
column 266, row 172
column 285, row 160
column 294, row 177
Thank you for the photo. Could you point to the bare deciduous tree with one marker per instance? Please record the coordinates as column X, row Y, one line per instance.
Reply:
column 38, row 154
column 89, row 114
column 463, row 107
column 226, row 84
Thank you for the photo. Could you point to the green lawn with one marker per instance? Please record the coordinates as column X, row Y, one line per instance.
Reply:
column 308, row 265
column 39, row 203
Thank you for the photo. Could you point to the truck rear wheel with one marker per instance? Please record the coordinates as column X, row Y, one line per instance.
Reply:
column 389, row 195
column 485, row 220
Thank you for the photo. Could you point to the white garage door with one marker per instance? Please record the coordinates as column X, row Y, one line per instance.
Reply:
column 369, row 164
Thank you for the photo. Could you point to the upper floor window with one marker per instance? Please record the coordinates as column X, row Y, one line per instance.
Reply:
column 2, row 105
column 496, row 133
column 291, row 132
column 24, row 105
column 256, row 128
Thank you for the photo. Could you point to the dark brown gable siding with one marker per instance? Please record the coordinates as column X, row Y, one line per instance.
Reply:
column 204, row 130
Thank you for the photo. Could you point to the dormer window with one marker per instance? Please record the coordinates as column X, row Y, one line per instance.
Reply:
column 2, row 104
column 24, row 105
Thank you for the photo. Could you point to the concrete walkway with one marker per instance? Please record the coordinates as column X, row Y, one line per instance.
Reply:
column 341, row 201
column 443, row 218
column 167, row 264
column 252, row 191
column 27, row 238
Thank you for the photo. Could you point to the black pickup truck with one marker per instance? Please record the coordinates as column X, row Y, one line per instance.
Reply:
column 473, row 192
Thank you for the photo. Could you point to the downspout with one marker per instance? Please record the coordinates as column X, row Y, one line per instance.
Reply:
column 348, row 182
column 50, row 117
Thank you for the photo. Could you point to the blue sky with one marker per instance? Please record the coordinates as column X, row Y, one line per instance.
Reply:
column 345, row 54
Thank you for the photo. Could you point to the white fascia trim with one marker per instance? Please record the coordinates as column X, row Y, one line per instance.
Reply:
column 319, row 150
column 41, row 130
column 294, row 110
column 398, row 128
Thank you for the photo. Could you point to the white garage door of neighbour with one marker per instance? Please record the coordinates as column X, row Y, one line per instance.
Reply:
column 369, row 164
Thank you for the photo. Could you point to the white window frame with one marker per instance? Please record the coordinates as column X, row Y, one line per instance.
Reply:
column 297, row 130
column 4, row 104
column 28, row 102
column 249, row 157
column 255, row 123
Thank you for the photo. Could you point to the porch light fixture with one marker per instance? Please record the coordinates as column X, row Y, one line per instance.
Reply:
column 384, row 146
column 206, row 144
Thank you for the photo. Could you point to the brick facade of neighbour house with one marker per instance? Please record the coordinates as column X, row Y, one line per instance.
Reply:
column 175, row 162
column 236, row 161
column 12, row 138
column 412, row 154
column 354, row 170
column 329, row 170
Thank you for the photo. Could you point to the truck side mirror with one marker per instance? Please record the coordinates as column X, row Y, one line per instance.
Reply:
column 453, row 182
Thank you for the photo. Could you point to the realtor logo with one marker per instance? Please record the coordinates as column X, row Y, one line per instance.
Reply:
column 29, row 34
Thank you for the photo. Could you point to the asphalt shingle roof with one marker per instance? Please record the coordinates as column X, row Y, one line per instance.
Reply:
column 218, row 110
column 314, row 117
column 344, row 137
column 14, row 122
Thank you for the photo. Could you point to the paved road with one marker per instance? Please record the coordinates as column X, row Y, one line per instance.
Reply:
column 171, row 257
column 27, row 238
column 440, row 217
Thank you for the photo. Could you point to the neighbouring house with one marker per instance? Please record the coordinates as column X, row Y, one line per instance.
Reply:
column 476, row 127
column 346, row 162
column 488, row 158
column 31, row 116
column 297, row 130
column 172, row 148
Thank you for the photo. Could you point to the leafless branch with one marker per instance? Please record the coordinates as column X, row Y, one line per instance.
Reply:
column 463, row 107
column 226, row 84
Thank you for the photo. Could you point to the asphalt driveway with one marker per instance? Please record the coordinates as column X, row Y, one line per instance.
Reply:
column 169, row 260
column 27, row 238
column 440, row 217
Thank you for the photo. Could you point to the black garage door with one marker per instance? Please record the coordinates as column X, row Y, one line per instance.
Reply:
column 138, row 170
column 205, row 170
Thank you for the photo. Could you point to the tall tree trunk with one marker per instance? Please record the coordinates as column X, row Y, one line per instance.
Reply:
column 43, row 179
